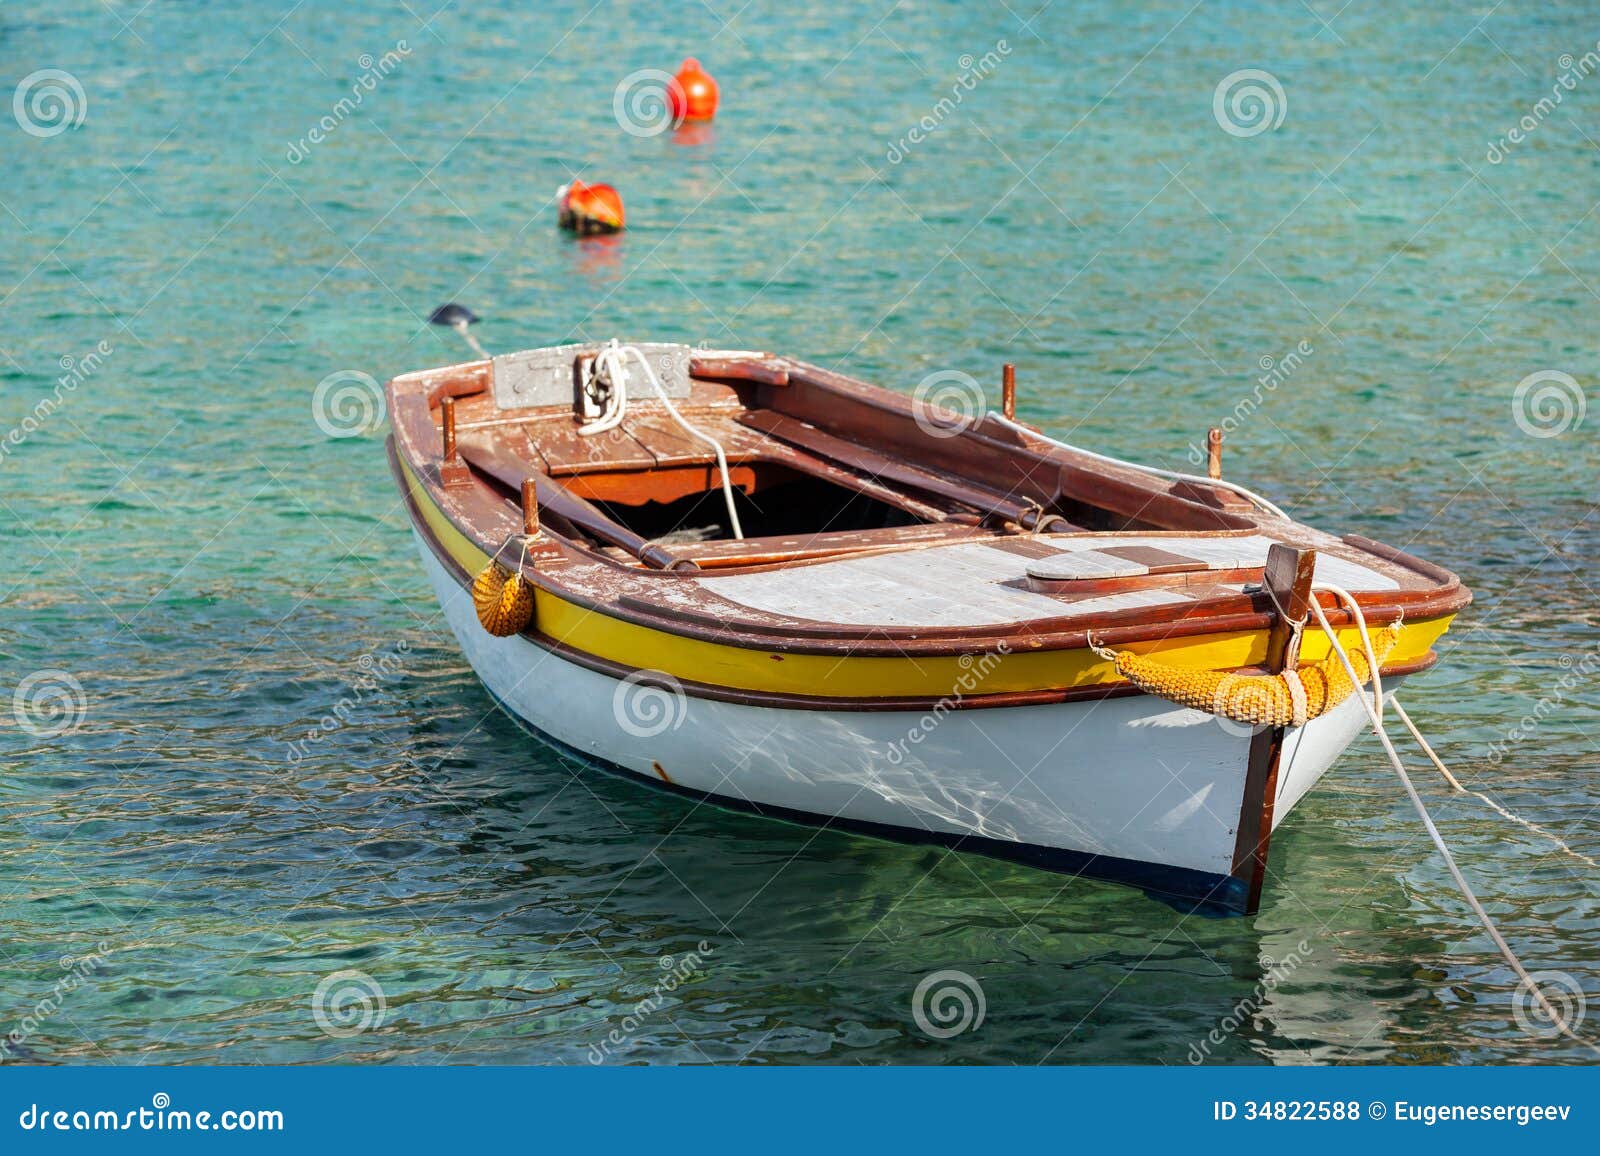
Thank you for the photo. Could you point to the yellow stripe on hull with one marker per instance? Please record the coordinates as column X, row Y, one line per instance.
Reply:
column 743, row 668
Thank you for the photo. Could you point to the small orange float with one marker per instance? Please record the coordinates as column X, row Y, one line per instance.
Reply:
column 588, row 209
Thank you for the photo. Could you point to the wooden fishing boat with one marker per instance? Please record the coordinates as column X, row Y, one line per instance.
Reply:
column 932, row 629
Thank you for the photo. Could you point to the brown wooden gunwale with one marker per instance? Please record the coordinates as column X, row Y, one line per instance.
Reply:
column 716, row 692
column 973, row 496
column 1242, row 525
column 1037, row 632
column 731, row 624
column 1316, row 539
column 1245, row 613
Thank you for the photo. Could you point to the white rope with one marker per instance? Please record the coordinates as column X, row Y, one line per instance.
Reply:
column 1487, row 801
column 1423, row 743
column 1216, row 483
column 1297, row 697
column 611, row 360
column 1354, row 607
column 616, row 405
column 1374, row 716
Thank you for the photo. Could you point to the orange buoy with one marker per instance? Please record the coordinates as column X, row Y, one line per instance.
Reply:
column 587, row 209
column 694, row 96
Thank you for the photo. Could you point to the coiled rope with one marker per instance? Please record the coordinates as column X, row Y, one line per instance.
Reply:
column 1290, row 698
column 612, row 360
column 503, row 598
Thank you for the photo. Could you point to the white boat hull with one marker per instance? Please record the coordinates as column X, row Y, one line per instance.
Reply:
column 1132, row 787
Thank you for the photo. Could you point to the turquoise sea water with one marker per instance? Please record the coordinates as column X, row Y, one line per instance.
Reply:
column 183, row 539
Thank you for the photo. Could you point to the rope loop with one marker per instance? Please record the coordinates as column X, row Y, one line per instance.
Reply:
column 611, row 360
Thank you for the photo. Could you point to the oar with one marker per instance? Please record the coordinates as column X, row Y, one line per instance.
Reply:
column 458, row 317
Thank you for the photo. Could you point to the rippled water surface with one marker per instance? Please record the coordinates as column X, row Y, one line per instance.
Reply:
column 219, row 575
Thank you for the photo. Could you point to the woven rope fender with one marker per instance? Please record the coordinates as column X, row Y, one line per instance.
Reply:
column 1276, row 700
column 504, row 600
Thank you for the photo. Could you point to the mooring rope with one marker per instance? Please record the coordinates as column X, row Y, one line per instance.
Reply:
column 611, row 359
column 1487, row 801
column 1374, row 715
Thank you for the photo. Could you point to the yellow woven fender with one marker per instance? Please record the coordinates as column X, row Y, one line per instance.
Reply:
column 1275, row 700
column 504, row 600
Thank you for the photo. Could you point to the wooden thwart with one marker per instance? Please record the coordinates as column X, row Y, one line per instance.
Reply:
column 578, row 513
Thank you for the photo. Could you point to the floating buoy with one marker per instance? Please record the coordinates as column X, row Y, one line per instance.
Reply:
column 504, row 600
column 694, row 96
column 589, row 209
